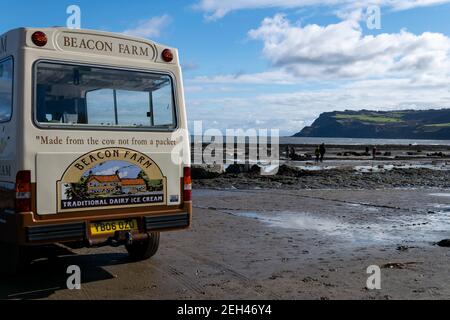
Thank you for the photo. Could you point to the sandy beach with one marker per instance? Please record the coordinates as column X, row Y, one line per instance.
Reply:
column 309, row 232
column 272, row 244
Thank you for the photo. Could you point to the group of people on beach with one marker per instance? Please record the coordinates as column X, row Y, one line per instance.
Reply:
column 374, row 152
column 321, row 151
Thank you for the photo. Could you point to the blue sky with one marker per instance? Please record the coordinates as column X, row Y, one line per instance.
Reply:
column 125, row 169
column 279, row 64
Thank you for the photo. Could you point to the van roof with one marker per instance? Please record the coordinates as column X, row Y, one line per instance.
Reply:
column 84, row 31
column 87, row 41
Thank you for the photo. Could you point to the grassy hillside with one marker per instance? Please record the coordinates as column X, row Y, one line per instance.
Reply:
column 368, row 118
column 438, row 125
column 404, row 124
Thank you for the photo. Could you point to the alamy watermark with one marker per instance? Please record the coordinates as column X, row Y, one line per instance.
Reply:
column 74, row 280
column 373, row 16
column 248, row 147
column 374, row 280
column 74, row 19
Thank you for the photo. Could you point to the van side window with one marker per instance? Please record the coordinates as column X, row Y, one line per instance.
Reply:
column 162, row 106
column 6, row 89
column 76, row 96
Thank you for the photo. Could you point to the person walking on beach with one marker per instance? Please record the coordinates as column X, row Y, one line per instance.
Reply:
column 293, row 154
column 374, row 152
column 317, row 153
column 322, row 151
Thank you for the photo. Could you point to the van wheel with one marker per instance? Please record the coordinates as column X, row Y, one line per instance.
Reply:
column 143, row 250
column 13, row 258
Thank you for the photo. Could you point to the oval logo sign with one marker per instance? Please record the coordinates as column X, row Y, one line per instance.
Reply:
column 111, row 178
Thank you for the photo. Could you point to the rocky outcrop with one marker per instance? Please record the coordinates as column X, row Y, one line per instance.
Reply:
column 405, row 124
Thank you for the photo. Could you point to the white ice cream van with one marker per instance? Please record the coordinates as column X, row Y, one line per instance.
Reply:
column 94, row 148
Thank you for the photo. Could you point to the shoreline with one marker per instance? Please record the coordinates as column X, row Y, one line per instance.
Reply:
column 289, row 178
column 305, row 152
column 406, row 167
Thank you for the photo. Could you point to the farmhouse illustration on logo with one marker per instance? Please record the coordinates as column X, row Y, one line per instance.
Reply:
column 112, row 178
column 112, row 184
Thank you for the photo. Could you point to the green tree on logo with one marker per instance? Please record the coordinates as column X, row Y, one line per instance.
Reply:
column 77, row 190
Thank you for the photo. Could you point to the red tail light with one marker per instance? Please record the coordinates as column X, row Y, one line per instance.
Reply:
column 187, row 184
column 23, row 191
column 39, row 38
column 167, row 55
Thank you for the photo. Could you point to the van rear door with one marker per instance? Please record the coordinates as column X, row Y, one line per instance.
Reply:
column 106, row 138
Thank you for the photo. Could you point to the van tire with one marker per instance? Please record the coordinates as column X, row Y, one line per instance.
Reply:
column 13, row 259
column 143, row 250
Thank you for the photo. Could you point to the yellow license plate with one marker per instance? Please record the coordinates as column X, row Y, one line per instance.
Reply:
column 110, row 227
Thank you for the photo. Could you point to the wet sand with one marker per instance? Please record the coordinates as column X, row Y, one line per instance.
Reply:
column 272, row 244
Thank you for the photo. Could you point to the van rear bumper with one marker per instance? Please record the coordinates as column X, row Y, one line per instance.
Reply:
column 56, row 232
column 59, row 230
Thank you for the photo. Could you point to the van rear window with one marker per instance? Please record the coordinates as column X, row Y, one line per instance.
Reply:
column 77, row 96
column 6, row 89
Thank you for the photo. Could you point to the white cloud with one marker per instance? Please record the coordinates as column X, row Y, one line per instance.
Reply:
column 113, row 171
column 193, row 88
column 216, row 9
column 384, row 72
column 124, row 174
column 150, row 28
column 269, row 77
column 189, row 66
column 108, row 172
column 290, row 112
column 342, row 51
column 348, row 70
column 409, row 4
